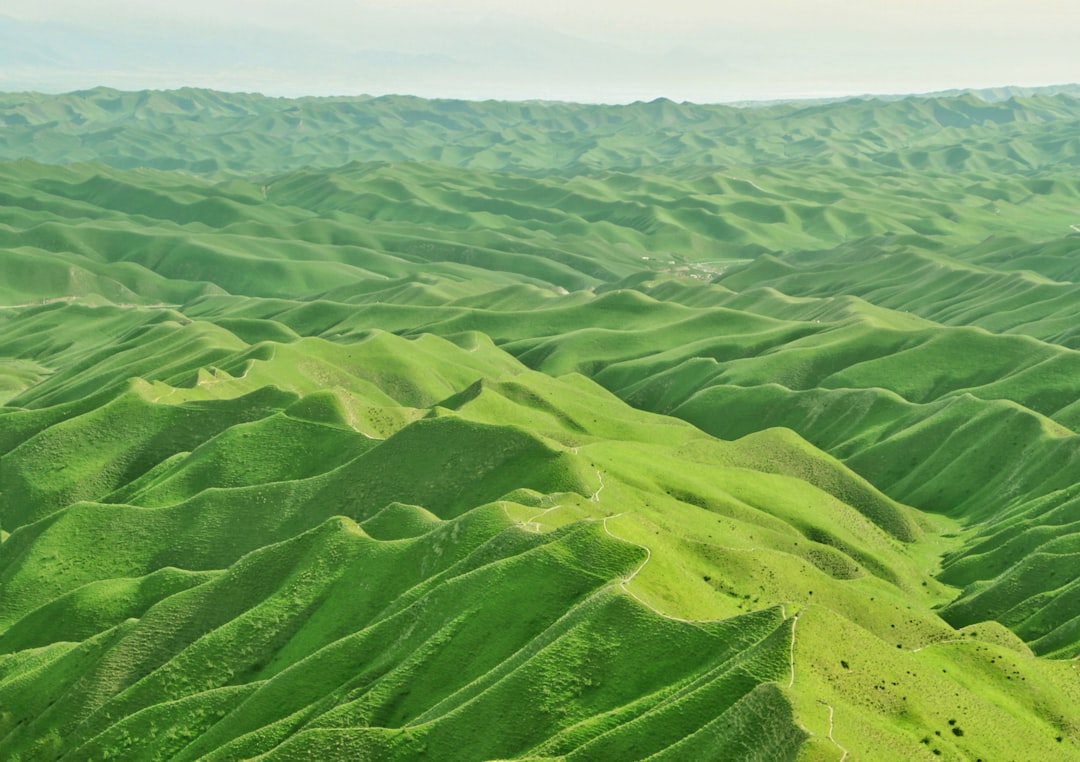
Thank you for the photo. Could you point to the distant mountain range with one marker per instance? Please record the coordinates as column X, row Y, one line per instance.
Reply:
column 203, row 130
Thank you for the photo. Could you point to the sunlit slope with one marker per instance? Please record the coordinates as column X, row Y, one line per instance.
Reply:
column 345, row 604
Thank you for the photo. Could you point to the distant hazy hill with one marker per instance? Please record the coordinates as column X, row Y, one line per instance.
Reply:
column 386, row 428
column 204, row 131
column 998, row 94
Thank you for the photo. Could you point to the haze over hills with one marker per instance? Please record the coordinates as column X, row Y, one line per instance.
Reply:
column 596, row 52
column 389, row 428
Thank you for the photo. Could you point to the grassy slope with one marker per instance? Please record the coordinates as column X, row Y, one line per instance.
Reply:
column 352, row 421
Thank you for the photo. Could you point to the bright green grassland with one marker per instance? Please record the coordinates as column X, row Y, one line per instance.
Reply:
column 385, row 428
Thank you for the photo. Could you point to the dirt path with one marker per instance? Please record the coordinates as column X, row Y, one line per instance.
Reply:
column 166, row 395
column 835, row 743
column 648, row 553
column 794, row 624
column 595, row 498
column 532, row 520
column 627, row 579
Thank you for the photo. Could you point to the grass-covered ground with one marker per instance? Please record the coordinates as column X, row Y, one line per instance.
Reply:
column 395, row 429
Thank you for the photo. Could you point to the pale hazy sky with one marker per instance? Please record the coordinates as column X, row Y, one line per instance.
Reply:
column 592, row 50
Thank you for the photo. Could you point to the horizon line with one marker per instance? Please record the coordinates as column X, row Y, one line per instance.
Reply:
column 812, row 97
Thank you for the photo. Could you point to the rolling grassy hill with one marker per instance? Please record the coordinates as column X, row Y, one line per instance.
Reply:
column 384, row 428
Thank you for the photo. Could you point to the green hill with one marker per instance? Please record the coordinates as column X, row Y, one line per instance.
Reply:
column 388, row 428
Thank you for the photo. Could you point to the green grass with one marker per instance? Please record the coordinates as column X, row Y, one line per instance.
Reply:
column 537, row 430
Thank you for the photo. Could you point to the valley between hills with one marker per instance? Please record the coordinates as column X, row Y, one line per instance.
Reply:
column 391, row 428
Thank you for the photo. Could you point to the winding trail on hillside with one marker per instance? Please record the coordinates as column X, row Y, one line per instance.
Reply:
column 627, row 579
column 794, row 624
column 838, row 746
column 532, row 520
column 595, row 497
column 529, row 522
column 648, row 553
column 172, row 390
